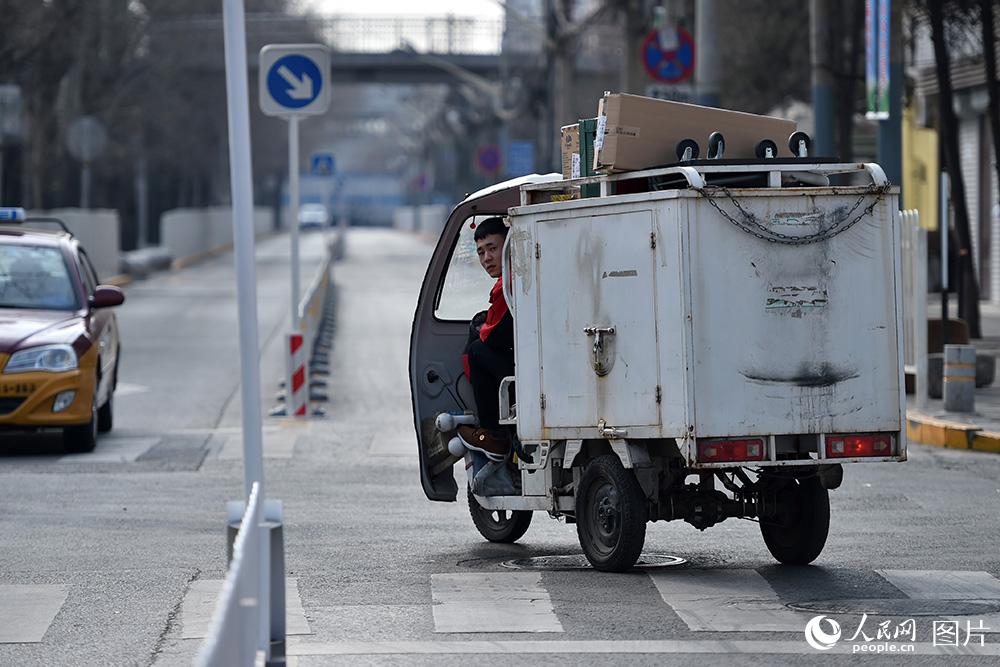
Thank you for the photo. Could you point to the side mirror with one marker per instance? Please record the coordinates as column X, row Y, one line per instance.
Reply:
column 106, row 296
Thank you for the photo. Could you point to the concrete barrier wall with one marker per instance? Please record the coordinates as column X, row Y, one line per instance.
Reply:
column 190, row 232
column 98, row 231
column 422, row 219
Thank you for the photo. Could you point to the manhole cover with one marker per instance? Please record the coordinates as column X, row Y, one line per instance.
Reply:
column 900, row 607
column 579, row 562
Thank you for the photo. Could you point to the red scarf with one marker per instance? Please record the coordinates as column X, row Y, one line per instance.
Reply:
column 498, row 308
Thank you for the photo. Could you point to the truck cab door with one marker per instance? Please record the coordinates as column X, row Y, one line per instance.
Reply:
column 454, row 289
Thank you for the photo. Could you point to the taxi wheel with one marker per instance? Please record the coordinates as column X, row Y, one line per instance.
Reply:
column 105, row 418
column 83, row 438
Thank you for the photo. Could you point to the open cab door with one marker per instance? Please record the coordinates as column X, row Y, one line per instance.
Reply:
column 454, row 289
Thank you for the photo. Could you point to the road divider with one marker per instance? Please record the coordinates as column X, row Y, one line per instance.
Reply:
column 307, row 350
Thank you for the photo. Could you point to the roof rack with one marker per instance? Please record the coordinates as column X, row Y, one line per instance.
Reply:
column 700, row 174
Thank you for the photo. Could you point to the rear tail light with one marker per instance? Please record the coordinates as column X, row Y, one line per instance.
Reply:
column 844, row 446
column 723, row 451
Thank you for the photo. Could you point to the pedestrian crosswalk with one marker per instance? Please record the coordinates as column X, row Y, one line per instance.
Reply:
column 506, row 604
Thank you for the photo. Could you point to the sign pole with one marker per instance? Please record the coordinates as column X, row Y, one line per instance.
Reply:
column 246, row 281
column 293, row 209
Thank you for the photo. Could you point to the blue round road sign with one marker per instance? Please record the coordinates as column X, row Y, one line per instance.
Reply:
column 294, row 81
column 671, row 66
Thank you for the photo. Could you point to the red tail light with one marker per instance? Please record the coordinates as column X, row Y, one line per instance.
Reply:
column 844, row 446
column 723, row 451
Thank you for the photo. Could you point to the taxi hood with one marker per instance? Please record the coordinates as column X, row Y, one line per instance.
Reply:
column 17, row 325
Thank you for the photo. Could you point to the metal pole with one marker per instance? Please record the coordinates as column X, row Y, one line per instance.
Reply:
column 293, row 211
column 890, row 131
column 142, row 201
column 246, row 278
column 1, row 174
column 920, row 312
column 944, row 230
column 822, row 81
column 708, row 65
column 85, row 185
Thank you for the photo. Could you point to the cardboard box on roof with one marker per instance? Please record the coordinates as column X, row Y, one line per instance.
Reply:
column 570, row 143
column 637, row 132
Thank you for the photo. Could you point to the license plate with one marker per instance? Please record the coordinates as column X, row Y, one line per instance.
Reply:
column 17, row 388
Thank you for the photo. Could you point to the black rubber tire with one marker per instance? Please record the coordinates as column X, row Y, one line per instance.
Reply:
column 81, row 439
column 799, row 538
column 611, row 515
column 761, row 149
column 793, row 143
column 683, row 145
column 105, row 415
column 504, row 526
column 716, row 146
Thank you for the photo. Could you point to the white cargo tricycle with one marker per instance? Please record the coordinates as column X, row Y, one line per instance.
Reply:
column 698, row 342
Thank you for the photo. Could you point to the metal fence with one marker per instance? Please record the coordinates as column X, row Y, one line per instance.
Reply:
column 914, row 270
column 234, row 634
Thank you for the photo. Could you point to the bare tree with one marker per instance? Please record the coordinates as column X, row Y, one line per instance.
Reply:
column 968, row 304
column 988, row 20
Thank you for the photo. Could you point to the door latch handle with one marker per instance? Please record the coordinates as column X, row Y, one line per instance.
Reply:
column 601, row 365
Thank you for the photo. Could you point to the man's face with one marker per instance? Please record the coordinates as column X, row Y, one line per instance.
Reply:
column 489, row 250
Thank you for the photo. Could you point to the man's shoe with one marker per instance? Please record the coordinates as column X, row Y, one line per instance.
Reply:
column 481, row 440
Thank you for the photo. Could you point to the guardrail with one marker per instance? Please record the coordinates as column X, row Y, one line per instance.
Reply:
column 239, row 606
column 914, row 270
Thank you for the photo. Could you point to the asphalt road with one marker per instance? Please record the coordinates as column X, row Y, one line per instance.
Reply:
column 111, row 558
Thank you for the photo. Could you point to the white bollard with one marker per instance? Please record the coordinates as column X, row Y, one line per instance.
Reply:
column 959, row 378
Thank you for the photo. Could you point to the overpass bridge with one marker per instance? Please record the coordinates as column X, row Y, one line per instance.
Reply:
column 373, row 49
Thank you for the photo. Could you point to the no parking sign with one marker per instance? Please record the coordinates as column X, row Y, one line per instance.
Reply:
column 672, row 62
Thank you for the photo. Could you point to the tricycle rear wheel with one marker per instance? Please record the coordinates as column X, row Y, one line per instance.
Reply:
column 798, row 533
column 611, row 514
column 503, row 526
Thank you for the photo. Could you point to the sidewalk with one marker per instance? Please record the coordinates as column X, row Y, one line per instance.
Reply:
column 979, row 430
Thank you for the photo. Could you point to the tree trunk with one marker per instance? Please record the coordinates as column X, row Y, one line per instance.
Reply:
column 968, row 296
column 992, row 85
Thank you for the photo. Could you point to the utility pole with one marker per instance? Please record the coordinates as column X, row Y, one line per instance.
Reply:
column 822, row 79
column 708, row 59
column 890, row 131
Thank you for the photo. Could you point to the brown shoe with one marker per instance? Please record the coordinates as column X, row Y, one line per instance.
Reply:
column 481, row 440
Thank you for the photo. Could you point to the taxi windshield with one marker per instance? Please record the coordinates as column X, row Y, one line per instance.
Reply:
column 35, row 277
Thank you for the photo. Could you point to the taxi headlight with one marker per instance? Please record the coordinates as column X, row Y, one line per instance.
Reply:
column 43, row 358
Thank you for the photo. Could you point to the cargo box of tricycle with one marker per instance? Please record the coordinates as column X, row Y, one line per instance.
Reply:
column 766, row 309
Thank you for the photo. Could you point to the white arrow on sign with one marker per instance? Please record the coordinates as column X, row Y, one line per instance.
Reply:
column 302, row 89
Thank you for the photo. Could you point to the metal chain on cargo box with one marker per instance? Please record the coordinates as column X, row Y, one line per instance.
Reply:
column 753, row 226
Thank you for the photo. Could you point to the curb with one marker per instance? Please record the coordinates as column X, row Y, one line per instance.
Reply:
column 935, row 432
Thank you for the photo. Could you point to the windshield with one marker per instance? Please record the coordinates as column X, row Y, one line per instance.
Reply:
column 35, row 277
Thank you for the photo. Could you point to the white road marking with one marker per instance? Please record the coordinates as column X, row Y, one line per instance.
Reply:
column 127, row 389
column 27, row 610
column 113, row 450
column 944, row 584
column 492, row 602
column 951, row 585
column 563, row 647
column 199, row 603
column 277, row 445
column 727, row 601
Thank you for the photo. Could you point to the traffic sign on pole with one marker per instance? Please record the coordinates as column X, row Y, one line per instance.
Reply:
column 294, row 79
column 322, row 164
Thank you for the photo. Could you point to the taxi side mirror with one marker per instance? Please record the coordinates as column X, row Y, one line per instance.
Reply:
column 106, row 296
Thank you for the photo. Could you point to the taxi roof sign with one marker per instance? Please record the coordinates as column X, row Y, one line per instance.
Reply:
column 12, row 214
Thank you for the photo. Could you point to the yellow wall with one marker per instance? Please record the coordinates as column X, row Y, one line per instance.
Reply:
column 920, row 170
